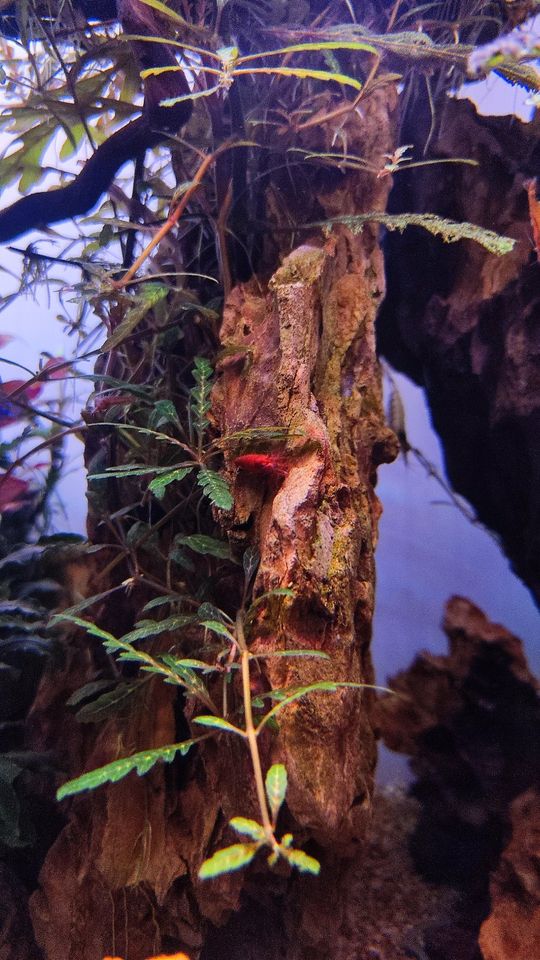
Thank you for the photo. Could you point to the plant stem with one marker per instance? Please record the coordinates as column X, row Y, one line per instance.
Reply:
column 251, row 733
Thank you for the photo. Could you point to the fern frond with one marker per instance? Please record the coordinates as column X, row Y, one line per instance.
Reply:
column 200, row 399
column 216, row 488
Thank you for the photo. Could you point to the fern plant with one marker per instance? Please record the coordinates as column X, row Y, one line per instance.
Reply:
column 199, row 453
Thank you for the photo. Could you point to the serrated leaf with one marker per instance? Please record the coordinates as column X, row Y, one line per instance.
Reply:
column 159, row 484
column 293, row 653
column 128, row 470
column 207, row 546
column 218, row 723
column 141, row 762
column 302, row 861
column 108, row 704
column 249, row 828
column 160, row 601
column 152, row 628
column 200, row 397
column 276, row 788
column 304, row 73
column 86, row 625
column 88, row 690
column 286, row 695
column 188, row 663
column 216, row 488
column 227, row 860
column 88, row 602
column 314, row 47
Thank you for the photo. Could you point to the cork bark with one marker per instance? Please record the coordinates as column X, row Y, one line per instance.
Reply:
column 298, row 353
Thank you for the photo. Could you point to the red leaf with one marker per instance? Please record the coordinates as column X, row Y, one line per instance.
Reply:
column 13, row 493
column 5, row 339
column 57, row 369
column 10, row 411
column 108, row 400
column 10, row 387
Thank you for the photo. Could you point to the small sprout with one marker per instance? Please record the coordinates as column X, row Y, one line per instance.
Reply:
column 249, row 828
column 228, row 860
column 276, row 788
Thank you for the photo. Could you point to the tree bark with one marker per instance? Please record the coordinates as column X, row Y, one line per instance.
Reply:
column 122, row 875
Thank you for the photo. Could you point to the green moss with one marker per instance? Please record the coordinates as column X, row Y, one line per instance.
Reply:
column 301, row 266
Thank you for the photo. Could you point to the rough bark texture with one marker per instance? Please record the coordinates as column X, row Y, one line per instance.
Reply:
column 464, row 324
column 513, row 926
column 470, row 722
column 16, row 935
column 121, row 877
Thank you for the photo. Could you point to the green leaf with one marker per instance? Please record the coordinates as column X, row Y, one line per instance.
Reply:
column 161, row 601
column 207, row 546
column 314, row 47
column 207, row 611
column 87, row 691
column 77, row 134
column 249, row 828
column 277, row 592
column 184, row 676
column 167, row 12
column 143, row 303
column 253, row 435
column 112, row 772
column 141, row 535
column 159, row 484
column 187, row 663
column 200, row 402
column 218, row 723
column 128, row 470
column 108, row 704
column 179, row 556
column 217, row 627
column 302, row 861
column 276, row 788
column 88, row 602
column 293, row 653
column 152, row 628
column 228, row 859
column 289, row 695
column 216, row 488
column 85, row 624
column 304, row 73
column 164, row 411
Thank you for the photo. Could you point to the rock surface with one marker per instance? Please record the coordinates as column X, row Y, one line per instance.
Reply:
column 512, row 930
column 463, row 323
column 470, row 721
